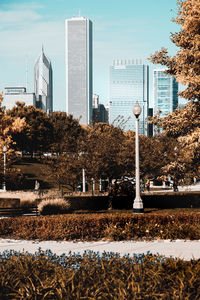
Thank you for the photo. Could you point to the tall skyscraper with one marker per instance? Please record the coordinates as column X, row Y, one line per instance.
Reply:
column 165, row 92
column 129, row 82
column 43, row 83
column 79, row 68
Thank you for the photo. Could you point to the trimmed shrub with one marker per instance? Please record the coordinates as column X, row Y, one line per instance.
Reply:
column 92, row 227
column 52, row 207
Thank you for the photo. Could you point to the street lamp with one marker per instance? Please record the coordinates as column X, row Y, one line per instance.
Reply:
column 4, row 167
column 83, row 176
column 137, row 204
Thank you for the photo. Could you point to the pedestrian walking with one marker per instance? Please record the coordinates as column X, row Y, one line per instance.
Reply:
column 148, row 185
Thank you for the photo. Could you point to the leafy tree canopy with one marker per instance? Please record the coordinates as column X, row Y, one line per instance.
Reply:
column 66, row 132
column 36, row 135
column 184, row 66
column 8, row 126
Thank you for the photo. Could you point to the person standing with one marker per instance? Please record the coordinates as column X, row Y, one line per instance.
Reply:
column 175, row 185
column 37, row 187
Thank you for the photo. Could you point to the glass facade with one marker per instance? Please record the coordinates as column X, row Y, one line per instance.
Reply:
column 165, row 92
column 43, row 83
column 129, row 83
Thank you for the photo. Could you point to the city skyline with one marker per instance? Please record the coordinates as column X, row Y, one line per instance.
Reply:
column 121, row 31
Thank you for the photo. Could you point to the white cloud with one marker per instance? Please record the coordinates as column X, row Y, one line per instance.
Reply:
column 24, row 6
column 23, row 29
column 17, row 18
column 15, row 42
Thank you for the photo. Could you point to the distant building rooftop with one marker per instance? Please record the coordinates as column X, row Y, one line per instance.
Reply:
column 15, row 90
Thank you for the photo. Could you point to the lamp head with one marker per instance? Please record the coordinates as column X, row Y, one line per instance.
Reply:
column 4, row 148
column 137, row 110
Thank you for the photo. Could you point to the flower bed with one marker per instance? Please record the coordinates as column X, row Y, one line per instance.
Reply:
column 91, row 276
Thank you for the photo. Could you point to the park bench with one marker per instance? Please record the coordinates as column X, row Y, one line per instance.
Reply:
column 19, row 211
column 11, row 207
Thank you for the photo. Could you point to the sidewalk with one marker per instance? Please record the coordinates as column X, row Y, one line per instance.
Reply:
column 179, row 248
column 186, row 188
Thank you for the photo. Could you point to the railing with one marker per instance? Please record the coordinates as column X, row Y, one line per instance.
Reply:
column 19, row 211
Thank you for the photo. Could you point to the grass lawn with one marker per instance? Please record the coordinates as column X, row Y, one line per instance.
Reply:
column 32, row 169
column 159, row 211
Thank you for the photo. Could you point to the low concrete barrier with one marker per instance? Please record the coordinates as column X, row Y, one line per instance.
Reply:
column 9, row 202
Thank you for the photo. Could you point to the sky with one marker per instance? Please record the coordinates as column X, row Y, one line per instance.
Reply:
column 128, row 29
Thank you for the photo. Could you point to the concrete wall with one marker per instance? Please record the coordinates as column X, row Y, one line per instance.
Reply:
column 9, row 202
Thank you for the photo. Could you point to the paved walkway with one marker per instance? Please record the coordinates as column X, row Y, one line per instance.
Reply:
column 183, row 249
column 188, row 188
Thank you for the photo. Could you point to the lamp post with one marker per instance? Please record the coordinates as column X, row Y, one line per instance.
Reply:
column 83, row 176
column 137, row 204
column 4, row 167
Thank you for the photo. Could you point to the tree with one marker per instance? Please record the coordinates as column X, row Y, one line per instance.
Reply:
column 8, row 126
column 36, row 135
column 66, row 132
column 184, row 66
column 64, row 170
column 183, row 124
column 101, row 151
column 155, row 153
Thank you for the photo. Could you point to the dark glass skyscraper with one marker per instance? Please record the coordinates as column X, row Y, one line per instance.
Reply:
column 129, row 82
column 165, row 92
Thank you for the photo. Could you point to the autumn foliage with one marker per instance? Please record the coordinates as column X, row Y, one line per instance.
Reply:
column 92, row 227
column 184, row 66
column 183, row 124
column 8, row 126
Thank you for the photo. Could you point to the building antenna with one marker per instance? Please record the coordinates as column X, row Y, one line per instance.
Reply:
column 26, row 73
column 79, row 13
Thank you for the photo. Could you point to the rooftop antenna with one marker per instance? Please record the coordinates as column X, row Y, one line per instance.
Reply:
column 79, row 13
column 26, row 73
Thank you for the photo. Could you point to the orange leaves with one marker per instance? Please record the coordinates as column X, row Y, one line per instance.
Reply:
column 183, row 125
column 8, row 125
column 184, row 66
